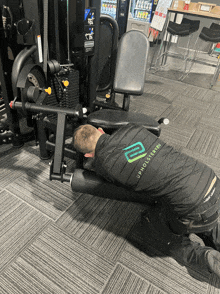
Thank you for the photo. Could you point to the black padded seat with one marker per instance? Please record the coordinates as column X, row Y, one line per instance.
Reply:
column 194, row 24
column 215, row 26
column 131, row 63
column 178, row 29
column 210, row 35
column 113, row 119
column 185, row 29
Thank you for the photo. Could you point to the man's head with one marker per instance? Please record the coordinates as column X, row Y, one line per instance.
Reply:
column 85, row 139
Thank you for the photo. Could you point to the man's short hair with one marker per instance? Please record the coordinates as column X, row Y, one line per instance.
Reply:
column 83, row 138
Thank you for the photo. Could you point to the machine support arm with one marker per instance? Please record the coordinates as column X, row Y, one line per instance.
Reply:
column 59, row 146
column 32, row 107
column 57, row 166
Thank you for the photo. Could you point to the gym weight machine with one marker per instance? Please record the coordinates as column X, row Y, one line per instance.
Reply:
column 30, row 81
column 87, row 181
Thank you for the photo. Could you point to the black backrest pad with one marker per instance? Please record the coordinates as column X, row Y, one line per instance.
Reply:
column 131, row 63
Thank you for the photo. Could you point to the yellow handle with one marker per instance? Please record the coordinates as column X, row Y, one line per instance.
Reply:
column 66, row 83
column 48, row 91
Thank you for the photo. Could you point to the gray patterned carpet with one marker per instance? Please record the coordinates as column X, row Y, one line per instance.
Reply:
column 55, row 241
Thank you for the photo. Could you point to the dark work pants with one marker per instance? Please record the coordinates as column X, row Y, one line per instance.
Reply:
column 192, row 252
column 204, row 222
column 173, row 235
column 180, row 247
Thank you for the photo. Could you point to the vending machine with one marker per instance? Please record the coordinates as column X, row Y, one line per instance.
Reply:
column 140, row 15
column 141, row 10
column 130, row 14
column 109, row 7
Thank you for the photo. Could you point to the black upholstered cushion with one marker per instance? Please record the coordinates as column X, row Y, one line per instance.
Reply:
column 178, row 29
column 113, row 119
column 194, row 24
column 210, row 35
column 215, row 26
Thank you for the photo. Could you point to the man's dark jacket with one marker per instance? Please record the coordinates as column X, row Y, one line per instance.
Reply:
column 134, row 157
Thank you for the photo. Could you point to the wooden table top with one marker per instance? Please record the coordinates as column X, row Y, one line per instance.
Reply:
column 194, row 10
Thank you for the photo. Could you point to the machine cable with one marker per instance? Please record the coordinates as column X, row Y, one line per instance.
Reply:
column 45, row 37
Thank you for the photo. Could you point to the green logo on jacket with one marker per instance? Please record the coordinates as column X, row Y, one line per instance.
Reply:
column 135, row 152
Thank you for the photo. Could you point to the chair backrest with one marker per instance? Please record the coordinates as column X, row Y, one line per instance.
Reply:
column 131, row 63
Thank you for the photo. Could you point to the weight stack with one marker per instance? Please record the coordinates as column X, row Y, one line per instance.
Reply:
column 64, row 96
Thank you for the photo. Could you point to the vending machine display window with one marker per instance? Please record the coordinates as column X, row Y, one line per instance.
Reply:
column 141, row 10
column 109, row 7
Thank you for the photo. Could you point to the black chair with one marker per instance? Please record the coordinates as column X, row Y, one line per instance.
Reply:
column 211, row 35
column 186, row 28
column 129, row 80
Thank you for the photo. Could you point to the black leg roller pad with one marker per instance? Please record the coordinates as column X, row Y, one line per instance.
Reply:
column 85, row 181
